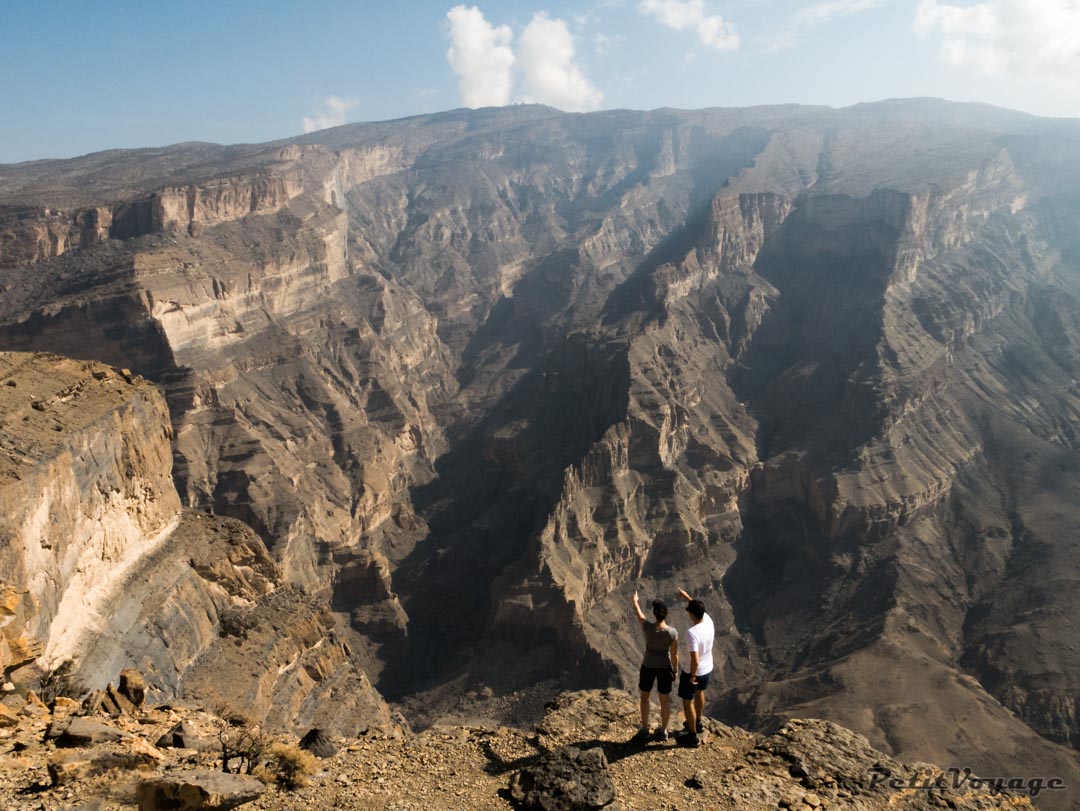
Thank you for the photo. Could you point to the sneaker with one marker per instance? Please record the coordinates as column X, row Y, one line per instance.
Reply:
column 700, row 727
column 640, row 736
column 689, row 740
column 660, row 735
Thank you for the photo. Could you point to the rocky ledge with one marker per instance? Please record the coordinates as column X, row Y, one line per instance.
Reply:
column 56, row 757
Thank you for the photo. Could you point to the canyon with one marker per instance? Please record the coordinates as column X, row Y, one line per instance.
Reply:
column 395, row 417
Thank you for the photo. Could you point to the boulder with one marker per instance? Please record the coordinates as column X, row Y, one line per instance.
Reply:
column 133, row 686
column 78, row 732
column 7, row 717
column 77, row 764
column 316, row 742
column 62, row 706
column 569, row 779
column 116, row 703
column 184, row 736
column 198, row 791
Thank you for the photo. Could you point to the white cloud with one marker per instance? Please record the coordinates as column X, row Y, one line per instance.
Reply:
column 481, row 56
column 1036, row 38
column 332, row 114
column 810, row 16
column 549, row 74
column 819, row 13
column 713, row 31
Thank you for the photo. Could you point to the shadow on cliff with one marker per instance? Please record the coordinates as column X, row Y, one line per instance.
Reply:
column 802, row 599
column 494, row 491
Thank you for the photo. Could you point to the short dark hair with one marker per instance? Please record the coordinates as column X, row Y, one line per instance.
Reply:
column 696, row 608
column 659, row 609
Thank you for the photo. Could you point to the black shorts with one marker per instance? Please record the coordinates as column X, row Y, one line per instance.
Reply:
column 661, row 675
column 687, row 689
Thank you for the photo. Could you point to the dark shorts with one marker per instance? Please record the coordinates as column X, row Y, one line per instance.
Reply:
column 661, row 675
column 687, row 689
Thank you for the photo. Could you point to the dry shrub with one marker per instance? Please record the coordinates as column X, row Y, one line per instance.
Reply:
column 59, row 682
column 243, row 749
column 246, row 749
column 289, row 766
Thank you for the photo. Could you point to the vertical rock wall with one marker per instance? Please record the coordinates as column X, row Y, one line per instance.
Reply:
column 86, row 493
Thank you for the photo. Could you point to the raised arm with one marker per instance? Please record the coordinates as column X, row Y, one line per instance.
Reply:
column 685, row 596
column 637, row 610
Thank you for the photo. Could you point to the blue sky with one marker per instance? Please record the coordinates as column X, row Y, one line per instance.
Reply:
column 81, row 77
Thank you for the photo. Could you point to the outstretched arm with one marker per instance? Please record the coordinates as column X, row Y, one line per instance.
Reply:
column 637, row 609
column 685, row 596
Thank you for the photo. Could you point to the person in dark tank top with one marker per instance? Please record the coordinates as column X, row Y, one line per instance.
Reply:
column 659, row 665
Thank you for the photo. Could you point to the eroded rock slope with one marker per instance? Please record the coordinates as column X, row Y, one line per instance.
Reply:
column 107, row 571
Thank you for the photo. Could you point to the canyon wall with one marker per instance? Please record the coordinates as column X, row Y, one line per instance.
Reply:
column 113, row 573
column 473, row 378
column 88, row 490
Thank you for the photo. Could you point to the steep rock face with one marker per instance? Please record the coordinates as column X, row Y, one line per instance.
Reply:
column 223, row 200
column 114, row 574
column 476, row 376
column 87, row 490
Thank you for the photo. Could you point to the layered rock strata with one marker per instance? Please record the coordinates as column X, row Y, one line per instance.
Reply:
column 114, row 574
column 474, row 377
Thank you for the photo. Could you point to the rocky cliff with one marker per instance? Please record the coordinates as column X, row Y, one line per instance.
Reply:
column 474, row 377
column 113, row 573
column 87, row 490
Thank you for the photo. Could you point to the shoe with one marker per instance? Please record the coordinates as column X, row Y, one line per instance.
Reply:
column 689, row 740
column 700, row 727
column 640, row 736
column 660, row 735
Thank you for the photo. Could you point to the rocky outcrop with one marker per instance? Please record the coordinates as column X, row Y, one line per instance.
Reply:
column 117, row 575
column 570, row 778
column 28, row 236
column 224, row 200
column 581, row 755
column 193, row 791
column 87, row 491
column 17, row 648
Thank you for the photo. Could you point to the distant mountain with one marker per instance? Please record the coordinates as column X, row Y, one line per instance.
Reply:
column 474, row 377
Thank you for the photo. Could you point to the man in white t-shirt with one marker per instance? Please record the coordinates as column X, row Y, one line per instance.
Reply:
column 697, row 665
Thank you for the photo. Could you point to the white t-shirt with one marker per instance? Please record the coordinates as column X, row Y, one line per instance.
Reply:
column 698, row 638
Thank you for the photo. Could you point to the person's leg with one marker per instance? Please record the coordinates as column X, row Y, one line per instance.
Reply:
column 665, row 680
column 699, row 708
column 646, row 677
column 688, row 714
column 687, row 691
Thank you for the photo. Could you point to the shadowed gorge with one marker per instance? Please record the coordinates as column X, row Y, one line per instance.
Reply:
column 469, row 379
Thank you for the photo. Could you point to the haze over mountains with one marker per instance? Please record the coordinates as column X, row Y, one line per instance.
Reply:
column 472, row 378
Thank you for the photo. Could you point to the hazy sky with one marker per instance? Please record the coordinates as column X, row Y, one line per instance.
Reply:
column 92, row 75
